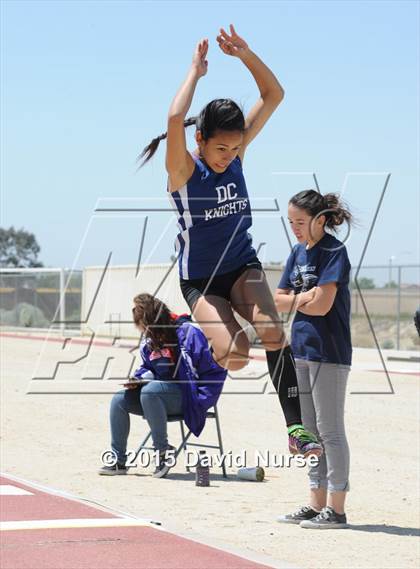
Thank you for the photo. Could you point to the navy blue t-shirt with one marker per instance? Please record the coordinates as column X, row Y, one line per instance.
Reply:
column 321, row 338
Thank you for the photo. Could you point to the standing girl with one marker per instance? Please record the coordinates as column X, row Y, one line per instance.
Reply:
column 218, row 266
column 316, row 284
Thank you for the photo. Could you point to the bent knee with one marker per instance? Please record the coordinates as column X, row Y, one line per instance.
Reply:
column 152, row 388
column 233, row 364
column 119, row 402
column 271, row 332
column 232, row 360
column 272, row 336
column 118, row 398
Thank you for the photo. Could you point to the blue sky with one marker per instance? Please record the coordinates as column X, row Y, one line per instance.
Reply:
column 86, row 85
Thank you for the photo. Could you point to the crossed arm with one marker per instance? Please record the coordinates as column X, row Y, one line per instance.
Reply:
column 315, row 302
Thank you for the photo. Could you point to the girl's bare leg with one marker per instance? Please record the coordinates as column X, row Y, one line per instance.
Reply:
column 228, row 340
column 253, row 300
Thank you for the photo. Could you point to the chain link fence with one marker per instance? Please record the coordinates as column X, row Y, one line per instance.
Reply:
column 384, row 299
column 40, row 298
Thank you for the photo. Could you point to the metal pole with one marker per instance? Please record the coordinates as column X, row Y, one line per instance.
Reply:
column 62, row 303
column 399, row 308
column 16, row 299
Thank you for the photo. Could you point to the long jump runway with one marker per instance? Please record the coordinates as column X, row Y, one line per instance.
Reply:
column 40, row 529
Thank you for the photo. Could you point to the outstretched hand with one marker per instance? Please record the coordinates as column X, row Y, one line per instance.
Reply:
column 232, row 44
column 199, row 61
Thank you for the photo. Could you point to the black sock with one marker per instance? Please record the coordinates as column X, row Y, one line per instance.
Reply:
column 281, row 366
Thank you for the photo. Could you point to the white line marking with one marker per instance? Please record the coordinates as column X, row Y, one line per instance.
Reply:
column 9, row 490
column 72, row 523
column 73, row 498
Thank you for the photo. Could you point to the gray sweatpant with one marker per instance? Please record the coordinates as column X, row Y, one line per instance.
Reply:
column 322, row 392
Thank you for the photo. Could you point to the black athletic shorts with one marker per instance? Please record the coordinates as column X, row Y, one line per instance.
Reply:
column 219, row 285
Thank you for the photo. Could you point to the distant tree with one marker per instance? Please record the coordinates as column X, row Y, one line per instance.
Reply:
column 391, row 284
column 18, row 248
column 366, row 283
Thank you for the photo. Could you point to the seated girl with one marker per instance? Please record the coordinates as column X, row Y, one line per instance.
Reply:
column 183, row 379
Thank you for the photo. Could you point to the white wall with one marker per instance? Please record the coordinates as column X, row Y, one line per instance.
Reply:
column 120, row 284
column 112, row 298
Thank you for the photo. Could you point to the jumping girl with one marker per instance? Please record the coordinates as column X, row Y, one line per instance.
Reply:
column 219, row 269
column 316, row 284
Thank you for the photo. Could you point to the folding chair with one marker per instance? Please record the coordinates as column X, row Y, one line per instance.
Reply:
column 185, row 437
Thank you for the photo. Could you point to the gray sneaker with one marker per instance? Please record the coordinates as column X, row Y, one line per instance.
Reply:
column 114, row 470
column 326, row 519
column 305, row 513
column 165, row 463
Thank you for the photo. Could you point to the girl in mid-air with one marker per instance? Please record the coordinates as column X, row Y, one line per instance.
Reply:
column 316, row 284
column 218, row 266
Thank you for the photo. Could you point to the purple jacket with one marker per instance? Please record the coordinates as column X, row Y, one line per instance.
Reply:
column 200, row 378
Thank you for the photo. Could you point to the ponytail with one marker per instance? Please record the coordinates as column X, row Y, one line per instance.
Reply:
column 219, row 114
column 150, row 150
column 335, row 211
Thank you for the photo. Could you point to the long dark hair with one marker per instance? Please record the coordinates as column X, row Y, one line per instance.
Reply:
column 336, row 212
column 219, row 114
column 155, row 317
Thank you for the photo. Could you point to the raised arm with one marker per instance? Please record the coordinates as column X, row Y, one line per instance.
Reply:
column 179, row 163
column 271, row 92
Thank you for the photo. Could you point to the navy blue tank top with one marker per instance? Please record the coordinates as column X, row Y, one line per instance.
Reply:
column 214, row 215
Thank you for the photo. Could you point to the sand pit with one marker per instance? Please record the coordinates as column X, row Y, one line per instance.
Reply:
column 57, row 440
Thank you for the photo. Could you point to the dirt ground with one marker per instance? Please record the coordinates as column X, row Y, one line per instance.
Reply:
column 57, row 439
